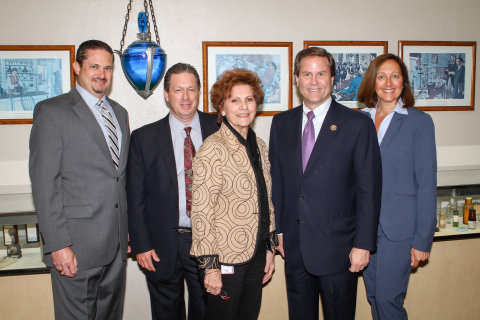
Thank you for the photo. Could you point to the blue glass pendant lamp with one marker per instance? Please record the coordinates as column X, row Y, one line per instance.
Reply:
column 143, row 61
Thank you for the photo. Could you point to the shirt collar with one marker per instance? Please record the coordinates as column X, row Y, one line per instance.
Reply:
column 321, row 109
column 89, row 98
column 177, row 126
column 398, row 109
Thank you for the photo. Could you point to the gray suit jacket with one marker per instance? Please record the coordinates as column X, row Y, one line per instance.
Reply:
column 79, row 195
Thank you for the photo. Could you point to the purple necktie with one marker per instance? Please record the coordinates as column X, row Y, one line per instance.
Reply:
column 308, row 139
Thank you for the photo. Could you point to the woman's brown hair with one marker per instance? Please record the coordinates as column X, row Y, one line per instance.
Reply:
column 367, row 94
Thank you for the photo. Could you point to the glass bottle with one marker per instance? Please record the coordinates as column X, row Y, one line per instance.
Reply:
column 472, row 220
column 451, row 206
column 466, row 209
column 455, row 218
column 441, row 221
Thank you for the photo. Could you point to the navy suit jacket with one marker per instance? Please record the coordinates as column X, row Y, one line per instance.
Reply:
column 152, row 191
column 409, row 194
column 334, row 206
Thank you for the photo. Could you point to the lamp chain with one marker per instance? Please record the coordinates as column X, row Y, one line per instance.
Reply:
column 145, row 4
column 154, row 22
column 124, row 33
column 127, row 17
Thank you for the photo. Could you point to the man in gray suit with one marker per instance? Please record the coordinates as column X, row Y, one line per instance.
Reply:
column 78, row 154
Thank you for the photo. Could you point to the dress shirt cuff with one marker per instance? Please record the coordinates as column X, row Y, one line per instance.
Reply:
column 208, row 262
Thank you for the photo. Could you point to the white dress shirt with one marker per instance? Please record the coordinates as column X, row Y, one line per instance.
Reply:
column 320, row 113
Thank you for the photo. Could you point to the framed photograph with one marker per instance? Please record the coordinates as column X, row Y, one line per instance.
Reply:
column 271, row 61
column 29, row 74
column 7, row 234
column 31, row 231
column 442, row 73
column 352, row 59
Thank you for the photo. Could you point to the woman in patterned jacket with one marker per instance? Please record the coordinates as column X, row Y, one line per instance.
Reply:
column 233, row 222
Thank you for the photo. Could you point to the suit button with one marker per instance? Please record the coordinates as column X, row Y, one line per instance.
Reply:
column 302, row 196
column 116, row 205
column 117, row 179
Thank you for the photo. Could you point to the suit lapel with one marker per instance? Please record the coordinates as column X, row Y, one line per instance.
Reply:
column 87, row 118
column 165, row 148
column 297, row 134
column 392, row 130
column 330, row 127
column 205, row 126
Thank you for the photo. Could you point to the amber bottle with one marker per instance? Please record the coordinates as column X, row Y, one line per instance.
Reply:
column 466, row 209
column 472, row 220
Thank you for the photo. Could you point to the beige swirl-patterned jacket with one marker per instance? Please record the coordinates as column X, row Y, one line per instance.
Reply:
column 225, row 210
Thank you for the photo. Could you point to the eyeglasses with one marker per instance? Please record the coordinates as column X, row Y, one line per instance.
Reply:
column 224, row 295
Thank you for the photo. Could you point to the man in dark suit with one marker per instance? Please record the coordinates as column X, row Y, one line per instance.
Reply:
column 78, row 157
column 157, row 192
column 459, row 87
column 326, row 180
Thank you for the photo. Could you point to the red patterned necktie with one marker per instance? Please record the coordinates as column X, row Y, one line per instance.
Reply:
column 188, row 153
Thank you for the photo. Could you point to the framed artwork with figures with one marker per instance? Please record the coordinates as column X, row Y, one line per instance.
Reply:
column 441, row 73
column 29, row 74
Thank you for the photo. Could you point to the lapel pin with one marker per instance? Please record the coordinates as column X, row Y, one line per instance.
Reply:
column 333, row 127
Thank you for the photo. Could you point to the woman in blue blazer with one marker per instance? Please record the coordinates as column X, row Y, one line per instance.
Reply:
column 409, row 167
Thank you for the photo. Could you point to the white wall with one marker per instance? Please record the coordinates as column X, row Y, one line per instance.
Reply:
column 184, row 24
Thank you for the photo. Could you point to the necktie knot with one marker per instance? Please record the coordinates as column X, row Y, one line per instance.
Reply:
column 310, row 115
column 101, row 104
column 187, row 130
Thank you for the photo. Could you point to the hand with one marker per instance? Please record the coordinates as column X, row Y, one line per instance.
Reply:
column 145, row 260
column 65, row 261
column 418, row 256
column 213, row 281
column 279, row 248
column 358, row 259
column 269, row 267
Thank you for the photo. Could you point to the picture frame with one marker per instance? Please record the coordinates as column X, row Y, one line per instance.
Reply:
column 352, row 59
column 441, row 73
column 272, row 61
column 29, row 74
column 31, row 232
column 7, row 239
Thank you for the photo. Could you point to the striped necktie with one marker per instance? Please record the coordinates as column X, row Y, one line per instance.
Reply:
column 112, row 133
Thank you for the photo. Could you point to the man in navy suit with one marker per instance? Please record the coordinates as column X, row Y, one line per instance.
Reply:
column 159, row 227
column 327, row 203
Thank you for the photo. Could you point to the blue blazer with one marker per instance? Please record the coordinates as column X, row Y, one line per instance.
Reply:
column 335, row 204
column 152, row 192
column 409, row 193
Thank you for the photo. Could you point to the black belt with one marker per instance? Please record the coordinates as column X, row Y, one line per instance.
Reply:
column 183, row 230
